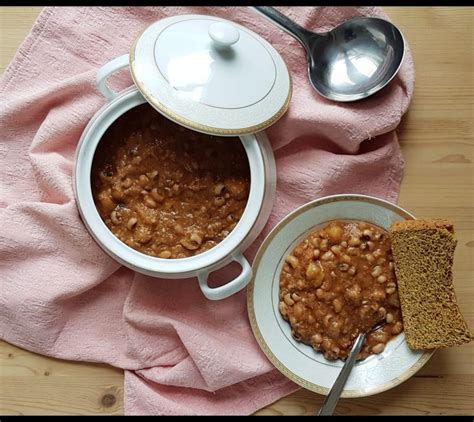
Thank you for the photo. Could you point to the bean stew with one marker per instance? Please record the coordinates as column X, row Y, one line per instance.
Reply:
column 338, row 282
column 167, row 191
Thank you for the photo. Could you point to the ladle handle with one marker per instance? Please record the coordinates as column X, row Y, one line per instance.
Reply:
column 285, row 23
column 332, row 398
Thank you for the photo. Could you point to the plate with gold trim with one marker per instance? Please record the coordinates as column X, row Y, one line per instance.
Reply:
column 298, row 361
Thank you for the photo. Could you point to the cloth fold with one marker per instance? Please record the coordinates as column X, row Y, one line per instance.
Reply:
column 62, row 296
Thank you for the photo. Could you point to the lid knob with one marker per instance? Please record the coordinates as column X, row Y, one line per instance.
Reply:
column 223, row 34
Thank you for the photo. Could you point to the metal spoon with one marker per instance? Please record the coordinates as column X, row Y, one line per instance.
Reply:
column 352, row 61
column 333, row 397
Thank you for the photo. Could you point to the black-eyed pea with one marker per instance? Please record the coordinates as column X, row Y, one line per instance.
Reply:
column 343, row 267
column 378, row 348
column 189, row 244
column 352, row 251
column 363, row 246
column 382, row 312
column 336, row 249
column 131, row 223
column 327, row 256
column 344, row 244
column 293, row 261
column 376, row 271
column 389, row 318
column 218, row 189
column 288, row 300
column 293, row 320
column 316, row 253
column 311, row 319
column 380, row 336
column 152, row 174
column 156, row 195
column 165, row 254
column 324, row 244
column 391, row 288
column 115, row 217
column 368, row 234
column 296, row 335
column 352, row 270
column 381, row 279
column 371, row 245
column 219, row 201
column 327, row 319
column 196, row 237
column 317, row 338
column 370, row 258
column 397, row 328
column 150, row 202
column 320, row 293
column 337, row 304
column 296, row 297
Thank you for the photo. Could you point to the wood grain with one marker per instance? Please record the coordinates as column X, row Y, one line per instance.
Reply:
column 437, row 141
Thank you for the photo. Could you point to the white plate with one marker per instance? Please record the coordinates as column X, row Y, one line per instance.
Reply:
column 300, row 362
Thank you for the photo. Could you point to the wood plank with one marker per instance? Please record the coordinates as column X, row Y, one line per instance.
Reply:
column 443, row 395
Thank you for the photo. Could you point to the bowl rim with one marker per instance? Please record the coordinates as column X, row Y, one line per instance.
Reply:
column 180, row 267
column 426, row 355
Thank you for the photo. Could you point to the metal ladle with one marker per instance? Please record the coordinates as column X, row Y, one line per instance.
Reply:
column 352, row 61
column 332, row 398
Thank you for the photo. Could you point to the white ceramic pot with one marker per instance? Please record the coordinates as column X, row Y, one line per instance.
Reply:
column 257, row 148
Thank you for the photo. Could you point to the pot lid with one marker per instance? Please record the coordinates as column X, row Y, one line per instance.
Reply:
column 210, row 75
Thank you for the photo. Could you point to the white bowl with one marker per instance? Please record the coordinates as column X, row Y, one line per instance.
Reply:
column 257, row 211
column 298, row 361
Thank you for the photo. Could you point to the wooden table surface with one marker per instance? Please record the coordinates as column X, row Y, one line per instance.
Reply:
column 437, row 142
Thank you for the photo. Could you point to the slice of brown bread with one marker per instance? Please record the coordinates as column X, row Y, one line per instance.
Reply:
column 423, row 252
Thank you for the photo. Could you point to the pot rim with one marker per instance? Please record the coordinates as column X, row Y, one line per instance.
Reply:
column 85, row 151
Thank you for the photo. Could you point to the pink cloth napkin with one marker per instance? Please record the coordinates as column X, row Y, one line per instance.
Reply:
column 62, row 296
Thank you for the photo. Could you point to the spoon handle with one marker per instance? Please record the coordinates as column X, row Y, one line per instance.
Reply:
column 333, row 397
column 295, row 30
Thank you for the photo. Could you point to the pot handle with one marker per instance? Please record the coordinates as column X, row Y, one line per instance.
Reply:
column 231, row 287
column 105, row 71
